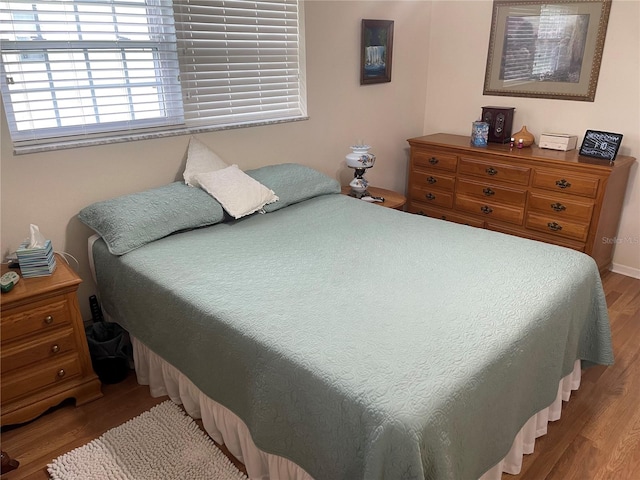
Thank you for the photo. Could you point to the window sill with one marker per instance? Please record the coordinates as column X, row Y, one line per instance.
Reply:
column 131, row 137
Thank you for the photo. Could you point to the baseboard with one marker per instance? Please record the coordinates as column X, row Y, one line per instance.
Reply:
column 624, row 270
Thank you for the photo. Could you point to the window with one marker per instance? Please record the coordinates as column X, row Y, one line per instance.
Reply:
column 77, row 70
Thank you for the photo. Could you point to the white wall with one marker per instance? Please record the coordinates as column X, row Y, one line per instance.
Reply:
column 457, row 57
column 48, row 189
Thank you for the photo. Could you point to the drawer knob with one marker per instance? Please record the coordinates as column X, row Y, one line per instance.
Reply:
column 430, row 196
column 562, row 183
column 61, row 373
column 488, row 192
column 48, row 319
column 431, row 180
column 556, row 227
column 491, row 171
column 558, row 207
column 486, row 209
column 55, row 349
column 422, row 213
column 433, row 161
column 443, row 217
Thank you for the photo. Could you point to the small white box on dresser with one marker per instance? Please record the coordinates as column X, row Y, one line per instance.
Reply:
column 558, row 141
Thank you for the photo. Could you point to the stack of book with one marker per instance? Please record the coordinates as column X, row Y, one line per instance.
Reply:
column 36, row 262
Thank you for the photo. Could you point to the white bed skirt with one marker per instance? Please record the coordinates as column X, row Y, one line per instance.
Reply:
column 226, row 428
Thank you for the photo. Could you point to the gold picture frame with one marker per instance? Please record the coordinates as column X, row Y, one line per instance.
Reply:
column 545, row 49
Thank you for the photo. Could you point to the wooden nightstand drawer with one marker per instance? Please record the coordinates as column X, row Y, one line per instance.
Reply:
column 435, row 159
column 566, row 183
column 560, row 207
column 39, row 376
column 38, row 317
column 493, row 192
column 557, row 226
column 432, row 196
column 42, row 347
column 492, row 210
column 433, row 180
column 496, row 172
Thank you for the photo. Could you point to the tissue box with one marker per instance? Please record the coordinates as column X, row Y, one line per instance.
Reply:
column 36, row 262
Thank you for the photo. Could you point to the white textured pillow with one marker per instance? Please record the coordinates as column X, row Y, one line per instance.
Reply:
column 200, row 159
column 237, row 192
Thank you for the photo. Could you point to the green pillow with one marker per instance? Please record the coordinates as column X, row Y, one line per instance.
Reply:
column 131, row 221
column 293, row 183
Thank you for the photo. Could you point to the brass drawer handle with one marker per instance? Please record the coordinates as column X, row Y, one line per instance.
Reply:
column 422, row 213
column 430, row 196
column 431, row 180
column 48, row 319
column 55, row 349
column 491, row 171
column 61, row 373
column 486, row 209
column 433, row 160
column 562, row 183
column 556, row 227
column 488, row 192
column 558, row 207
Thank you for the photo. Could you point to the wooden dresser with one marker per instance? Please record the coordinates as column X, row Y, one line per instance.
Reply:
column 44, row 356
column 547, row 195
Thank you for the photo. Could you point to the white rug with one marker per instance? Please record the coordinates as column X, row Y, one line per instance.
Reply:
column 163, row 443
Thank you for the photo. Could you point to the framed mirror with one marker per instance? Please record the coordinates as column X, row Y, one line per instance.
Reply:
column 546, row 49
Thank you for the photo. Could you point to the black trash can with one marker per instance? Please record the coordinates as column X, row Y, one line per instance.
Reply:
column 110, row 348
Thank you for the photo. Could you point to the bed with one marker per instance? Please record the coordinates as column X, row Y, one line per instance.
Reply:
column 325, row 337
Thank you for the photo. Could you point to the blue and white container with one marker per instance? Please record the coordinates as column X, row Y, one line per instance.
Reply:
column 479, row 134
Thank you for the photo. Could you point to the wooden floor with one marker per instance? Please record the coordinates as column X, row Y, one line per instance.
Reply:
column 597, row 438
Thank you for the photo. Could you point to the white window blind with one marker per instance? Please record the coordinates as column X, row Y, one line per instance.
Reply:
column 240, row 60
column 77, row 70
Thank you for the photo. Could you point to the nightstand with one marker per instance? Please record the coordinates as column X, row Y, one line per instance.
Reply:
column 391, row 199
column 44, row 357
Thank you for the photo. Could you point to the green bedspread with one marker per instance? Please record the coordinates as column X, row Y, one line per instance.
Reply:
column 362, row 342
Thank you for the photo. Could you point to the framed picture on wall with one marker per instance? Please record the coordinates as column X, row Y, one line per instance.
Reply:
column 376, row 51
column 546, row 49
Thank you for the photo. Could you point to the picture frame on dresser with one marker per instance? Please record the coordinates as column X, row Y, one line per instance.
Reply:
column 376, row 51
column 542, row 49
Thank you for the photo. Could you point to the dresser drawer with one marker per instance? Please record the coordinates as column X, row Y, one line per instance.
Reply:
column 557, row 226
column 493, row 192
column 533, row 236
column 490, row 210
column 39, row 376
column 432, row 196
column 496, row 172
column 560, row 207
column 42, row 316
column 435, row 160
column 447, row 215
column 421, row 178
column 40, row 348
column 566, row 183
